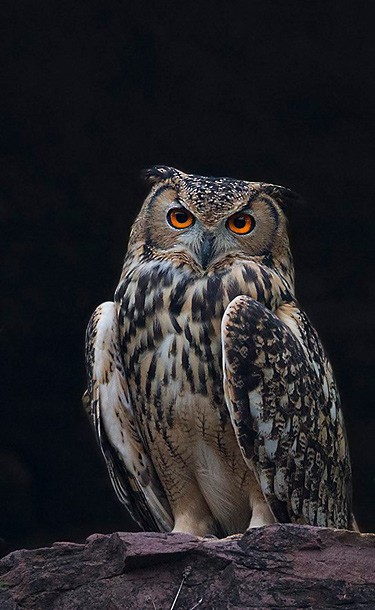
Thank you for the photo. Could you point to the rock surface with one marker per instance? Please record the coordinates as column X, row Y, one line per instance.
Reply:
column 280, row 566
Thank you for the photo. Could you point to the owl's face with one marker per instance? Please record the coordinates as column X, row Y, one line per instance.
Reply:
column 211, row 220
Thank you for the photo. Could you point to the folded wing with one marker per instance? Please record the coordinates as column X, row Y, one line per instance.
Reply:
column 286, row 412
column 107, row 404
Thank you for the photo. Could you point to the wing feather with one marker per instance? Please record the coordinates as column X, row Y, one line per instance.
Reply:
column 286, row 412
column 107, row 404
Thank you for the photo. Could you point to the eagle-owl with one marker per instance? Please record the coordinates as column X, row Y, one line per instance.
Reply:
column 211, row 396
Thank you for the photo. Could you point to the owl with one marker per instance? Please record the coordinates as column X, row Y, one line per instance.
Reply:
column 211, row 396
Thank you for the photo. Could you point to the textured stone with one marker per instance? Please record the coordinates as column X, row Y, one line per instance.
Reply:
column 280, row 566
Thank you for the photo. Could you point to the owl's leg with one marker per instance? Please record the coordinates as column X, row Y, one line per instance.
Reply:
column 192, row 514
column 260, row 511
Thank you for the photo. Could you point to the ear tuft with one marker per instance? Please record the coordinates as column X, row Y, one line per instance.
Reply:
column 158, row 173
column 283, row 195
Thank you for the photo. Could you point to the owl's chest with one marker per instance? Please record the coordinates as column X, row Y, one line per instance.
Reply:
column 173, row 351
column 170, row 328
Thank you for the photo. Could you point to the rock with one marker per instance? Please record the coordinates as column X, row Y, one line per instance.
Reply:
column 280, row 566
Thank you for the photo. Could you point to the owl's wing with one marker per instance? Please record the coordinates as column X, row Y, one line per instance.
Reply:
column 107, row 404
column 286, row 412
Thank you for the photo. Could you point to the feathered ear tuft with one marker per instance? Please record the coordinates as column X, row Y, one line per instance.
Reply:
column 283, row 195
column 158, row 173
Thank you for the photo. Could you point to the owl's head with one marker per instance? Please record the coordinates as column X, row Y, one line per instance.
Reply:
column 212, row 220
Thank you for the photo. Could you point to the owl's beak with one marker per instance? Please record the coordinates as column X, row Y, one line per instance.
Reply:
column 206, row 250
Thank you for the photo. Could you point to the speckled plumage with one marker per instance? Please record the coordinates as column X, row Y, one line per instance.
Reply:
column 212, row 398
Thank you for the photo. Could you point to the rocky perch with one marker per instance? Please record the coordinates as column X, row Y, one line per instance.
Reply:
column 280, row 566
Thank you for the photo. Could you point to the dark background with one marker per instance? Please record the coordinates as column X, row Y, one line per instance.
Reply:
column 281, row 92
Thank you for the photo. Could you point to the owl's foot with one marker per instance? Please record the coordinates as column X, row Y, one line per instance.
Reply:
column 186, row 524
column 192, row 514
column 261, row 513
column 210, row 537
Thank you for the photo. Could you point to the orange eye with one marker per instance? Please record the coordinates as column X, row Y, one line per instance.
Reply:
column 179, row 218
column 241, row 223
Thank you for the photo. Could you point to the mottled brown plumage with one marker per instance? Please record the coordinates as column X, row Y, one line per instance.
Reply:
column 211, row 395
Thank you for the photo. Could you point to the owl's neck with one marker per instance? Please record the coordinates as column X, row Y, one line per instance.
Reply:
column 269, row 282
column 284, row 266
column 140, row 252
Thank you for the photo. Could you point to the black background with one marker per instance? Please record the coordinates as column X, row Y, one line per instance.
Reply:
column 281, row 92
